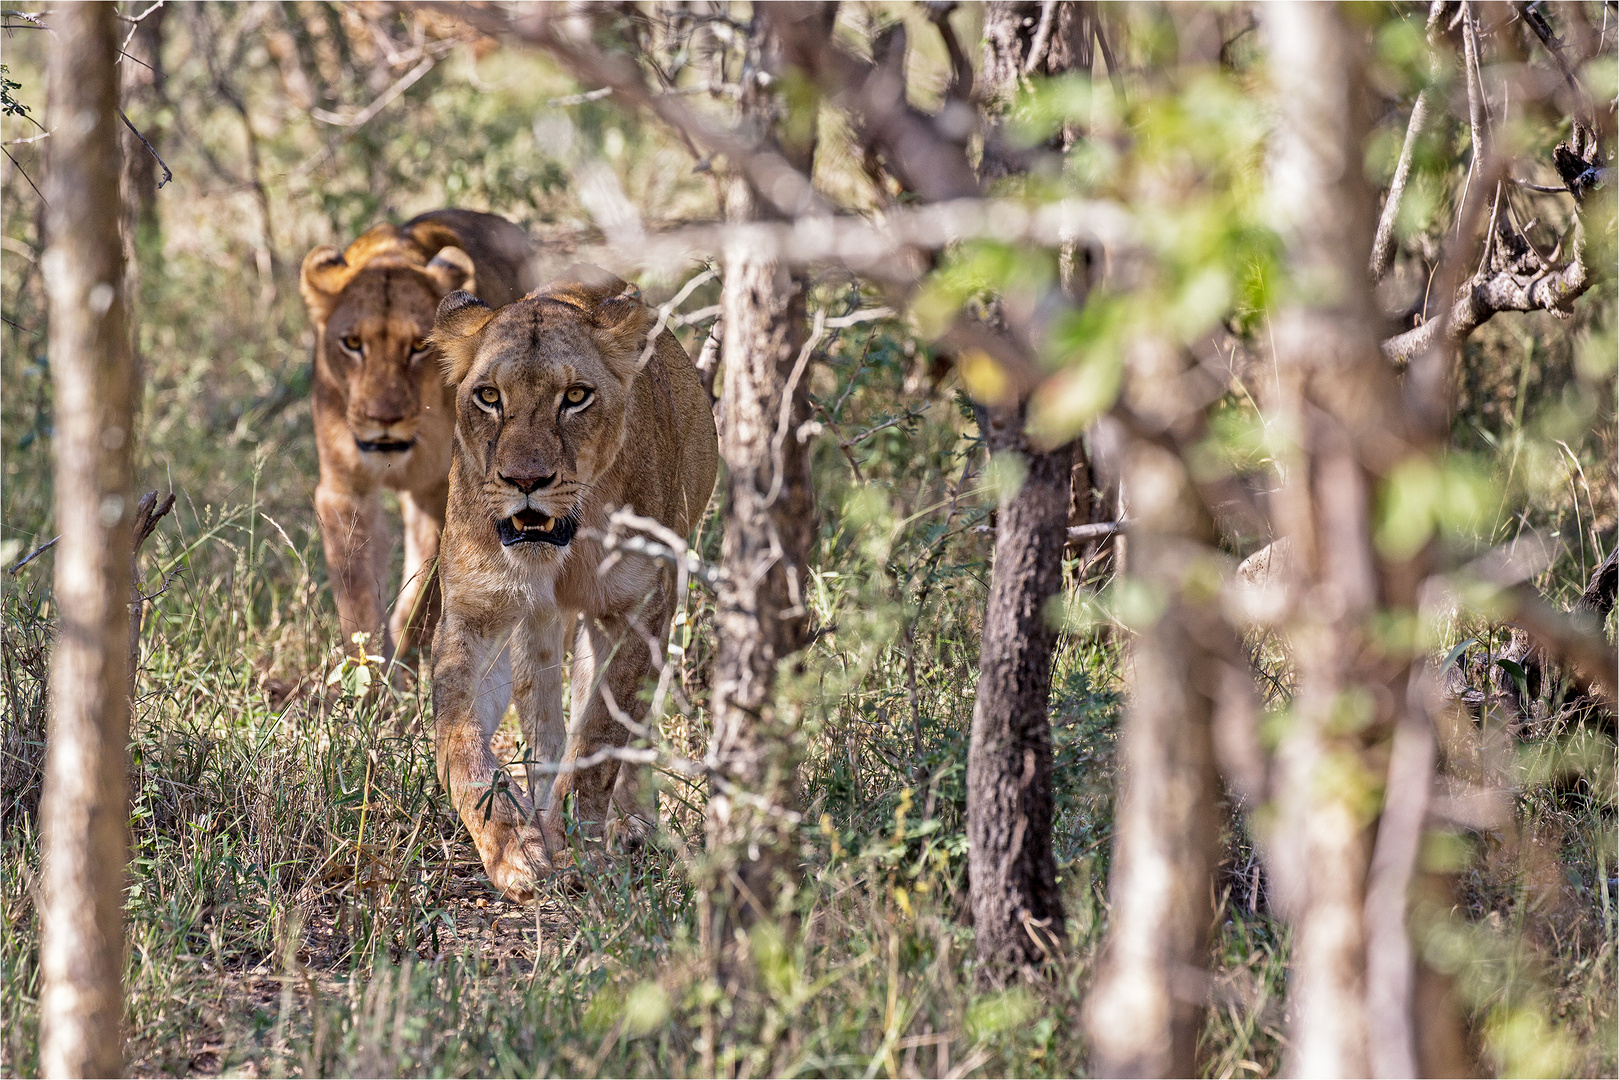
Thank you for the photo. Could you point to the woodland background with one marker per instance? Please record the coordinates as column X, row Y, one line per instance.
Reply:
column 302, row 899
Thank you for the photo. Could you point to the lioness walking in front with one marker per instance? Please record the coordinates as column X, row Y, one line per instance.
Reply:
column 558, row 422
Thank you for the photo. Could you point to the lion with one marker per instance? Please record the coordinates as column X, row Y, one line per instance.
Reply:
column 384, row 417
column 562, row 416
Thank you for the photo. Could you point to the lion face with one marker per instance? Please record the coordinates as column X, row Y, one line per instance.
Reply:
column 542, row 394
column 373, row 321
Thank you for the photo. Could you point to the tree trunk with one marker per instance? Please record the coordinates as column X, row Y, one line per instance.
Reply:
column 143, row 90
column 1017, row 910
column 769, row 525
column 1145, row 1009
column 1341, row 860
column 83, row 811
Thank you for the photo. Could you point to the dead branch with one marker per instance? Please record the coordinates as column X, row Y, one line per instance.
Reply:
column 785, row 187
column 148, row 512
column 32, row 555
column 1383, row 242
column 167, row 174
column 1477, row 106
column 1496, row 289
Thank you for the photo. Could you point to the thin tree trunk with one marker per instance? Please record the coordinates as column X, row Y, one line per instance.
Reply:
column 1146, row 1010
column 143, row 89
column 83, row 810
column 769, row 523
column 1017, row 910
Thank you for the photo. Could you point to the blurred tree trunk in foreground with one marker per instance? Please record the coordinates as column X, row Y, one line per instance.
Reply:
column 1342, row 857
column 770, row 509
column 1146, row 1009
column 83, row 812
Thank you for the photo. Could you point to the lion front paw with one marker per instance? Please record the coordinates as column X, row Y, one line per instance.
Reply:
column 629, row 833
column 516, row 859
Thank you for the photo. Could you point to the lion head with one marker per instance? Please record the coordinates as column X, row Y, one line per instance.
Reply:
column 373, row 307
column 542, row 398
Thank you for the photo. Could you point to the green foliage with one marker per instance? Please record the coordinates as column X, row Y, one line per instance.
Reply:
column 9, row 105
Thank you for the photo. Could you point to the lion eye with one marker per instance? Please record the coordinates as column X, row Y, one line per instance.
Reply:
column 353, row 343
column 576, row 395
column 418, row 346
column 487, row 395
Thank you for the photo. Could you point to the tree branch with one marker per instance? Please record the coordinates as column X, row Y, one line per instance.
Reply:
column 1492, row 291
column 167, row 174
column 1383, row 242
column 785, row 187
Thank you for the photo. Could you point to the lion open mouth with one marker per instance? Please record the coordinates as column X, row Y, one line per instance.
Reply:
column 385, row 446
column 532, row 526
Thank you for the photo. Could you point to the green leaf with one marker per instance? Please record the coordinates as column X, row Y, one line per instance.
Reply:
column 1519, row 676
column 1455, row 654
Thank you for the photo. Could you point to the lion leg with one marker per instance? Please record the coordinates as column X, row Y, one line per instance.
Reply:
column 355, row 536
column 619, row 651
column 635, row 806
column 537, row 690
column 471, row 688
column 416, row 612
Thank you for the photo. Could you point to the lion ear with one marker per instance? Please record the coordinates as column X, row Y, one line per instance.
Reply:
column 457, row 327
column 324, row 275
column 452, row 269
column 620, row 331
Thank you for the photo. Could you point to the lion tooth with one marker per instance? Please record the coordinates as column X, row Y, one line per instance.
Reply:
column 550, row 523
column 518, row 525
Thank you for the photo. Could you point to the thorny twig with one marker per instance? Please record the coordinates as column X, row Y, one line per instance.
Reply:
column 167, row 174
column 32, row 555
column 665, row 310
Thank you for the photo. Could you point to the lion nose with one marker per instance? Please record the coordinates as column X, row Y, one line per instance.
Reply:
column 386, row 416
column 527, row 484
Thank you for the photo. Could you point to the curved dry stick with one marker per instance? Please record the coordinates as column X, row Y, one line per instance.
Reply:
column 1383, row 244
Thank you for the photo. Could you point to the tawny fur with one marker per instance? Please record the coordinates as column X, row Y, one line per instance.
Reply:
column 645, row 441
column 384, row 291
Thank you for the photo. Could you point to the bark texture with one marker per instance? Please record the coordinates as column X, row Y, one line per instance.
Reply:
column 83, row 812
column 1024, row 38
column 770, row 513
column 1017, row 910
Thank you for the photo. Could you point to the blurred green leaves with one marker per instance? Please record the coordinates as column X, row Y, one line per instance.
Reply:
column 1188, row 159
column 1422, row 497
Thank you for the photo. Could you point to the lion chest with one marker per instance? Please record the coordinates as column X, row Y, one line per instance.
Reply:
column 619, row 591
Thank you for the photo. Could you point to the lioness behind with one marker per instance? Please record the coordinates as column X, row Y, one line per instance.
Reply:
column 384, row 417
column 561, row 416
